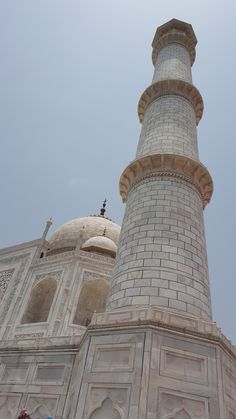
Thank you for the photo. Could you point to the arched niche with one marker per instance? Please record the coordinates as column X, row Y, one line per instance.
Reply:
column 182, row 414
column 40, row 301
column 93, row 296
column 179, row 414
column 106, row 411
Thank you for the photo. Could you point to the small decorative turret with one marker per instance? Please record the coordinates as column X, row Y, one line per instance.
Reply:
column 48, row 225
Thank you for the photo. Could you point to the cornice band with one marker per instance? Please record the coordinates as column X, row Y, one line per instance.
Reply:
column 167, row 165
column 174, row 38
column 171, row 87
column 174, row 31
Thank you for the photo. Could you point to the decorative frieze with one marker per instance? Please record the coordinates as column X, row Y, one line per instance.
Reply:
column 171, row 87
column 167, row 165
column 174, row 31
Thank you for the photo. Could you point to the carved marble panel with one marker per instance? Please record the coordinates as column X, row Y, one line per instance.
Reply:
column 230, row 383
column 183, row 365
column 9, row 405
column 15, row 373
column 183, row 321
column 107, row 401
column 39, row 406
column 19, row 263
column 175, row 405
column 107, row 410
column 116, row 357
column 49, row 374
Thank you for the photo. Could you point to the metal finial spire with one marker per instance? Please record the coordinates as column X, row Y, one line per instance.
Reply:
column 103, row 209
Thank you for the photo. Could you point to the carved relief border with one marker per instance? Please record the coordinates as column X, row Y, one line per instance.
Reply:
column 229, row 383
column 172, row 402
column 38, row 405
column 88, row 275
column 9, row 405
column 172, row 165
column 113, row 349
column 54, row 274
column 183, row 364
column 119, row 394
column 19, row 264
column 171, row 87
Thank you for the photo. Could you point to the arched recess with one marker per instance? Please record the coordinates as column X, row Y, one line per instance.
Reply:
column 179, row 414
column 106, row 411
column 182, row 414
column 40, row 301
column 93, row 296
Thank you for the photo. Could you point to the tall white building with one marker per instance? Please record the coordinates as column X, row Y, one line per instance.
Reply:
column 81, row 340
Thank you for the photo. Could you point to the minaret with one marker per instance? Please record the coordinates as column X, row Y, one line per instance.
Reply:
column 161, row 259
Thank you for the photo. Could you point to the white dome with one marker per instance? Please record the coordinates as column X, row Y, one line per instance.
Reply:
column 101, row 243
column 78, row 231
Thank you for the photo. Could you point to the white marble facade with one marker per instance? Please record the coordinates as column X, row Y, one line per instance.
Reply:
column 80, row 340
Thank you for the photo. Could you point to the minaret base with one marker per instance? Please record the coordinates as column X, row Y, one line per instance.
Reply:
column 146, row 363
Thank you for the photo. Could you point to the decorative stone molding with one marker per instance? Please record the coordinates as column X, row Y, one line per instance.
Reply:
column 174, row 31
column 171, row 87
column 51, row 274
column 23, row 342
column 56, row 257
column 167, row 165
column 91, row 276
column 68, row 256
column 161, row 318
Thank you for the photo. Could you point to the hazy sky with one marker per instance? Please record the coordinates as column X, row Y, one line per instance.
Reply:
column 71, row 75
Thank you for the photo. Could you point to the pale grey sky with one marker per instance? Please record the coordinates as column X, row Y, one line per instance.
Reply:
column 71, row 75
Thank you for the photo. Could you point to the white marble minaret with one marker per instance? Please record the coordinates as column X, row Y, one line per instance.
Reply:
column 155, row 352
column 162, row 257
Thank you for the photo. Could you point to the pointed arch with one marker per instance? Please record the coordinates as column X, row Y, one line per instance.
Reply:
column 106, row 411
column 40, row 301
column 93, row 296
column 182, row 414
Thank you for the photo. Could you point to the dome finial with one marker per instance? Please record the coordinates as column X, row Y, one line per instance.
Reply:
column 103, row 209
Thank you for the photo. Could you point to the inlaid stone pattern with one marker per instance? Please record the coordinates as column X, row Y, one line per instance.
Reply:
column 5, row 277
column 89, row 275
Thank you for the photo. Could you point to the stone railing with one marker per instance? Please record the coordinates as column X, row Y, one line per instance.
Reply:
column 162, row 318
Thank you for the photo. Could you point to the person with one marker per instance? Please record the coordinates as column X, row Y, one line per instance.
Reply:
column 24, row 415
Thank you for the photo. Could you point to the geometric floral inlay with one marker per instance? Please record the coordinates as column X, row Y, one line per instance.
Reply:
column 5, row 277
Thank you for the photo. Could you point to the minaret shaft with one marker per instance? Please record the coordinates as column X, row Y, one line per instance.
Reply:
column 161, row 258
column 169, row 126
column 173, row 62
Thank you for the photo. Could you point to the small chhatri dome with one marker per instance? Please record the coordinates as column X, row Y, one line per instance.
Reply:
column 100, row 244
column 76, row 232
